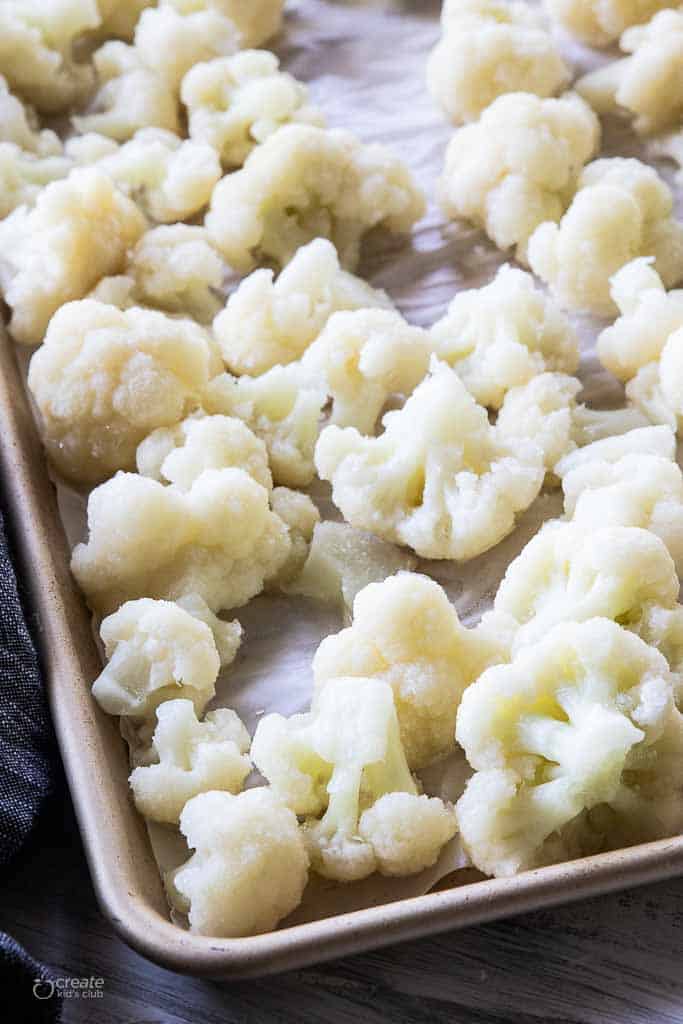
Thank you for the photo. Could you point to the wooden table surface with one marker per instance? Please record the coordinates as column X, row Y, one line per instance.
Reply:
column 616, row 960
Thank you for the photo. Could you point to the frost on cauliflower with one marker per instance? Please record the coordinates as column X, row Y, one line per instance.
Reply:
column 191, row 757
column 37, row 50
column 342, row 561
column 23, row 174
column 439, row 479
column 600, row 22
column 130, row 96
column 157, row 651
column 622, row 211
column 249, row 868
column 303, row 183
column 19, row 125
column 79, row 231
column 647, row 84
column 500, row 336
column 577, row 747
column 518, row 165
column 406, row 633
column 363, row 358
column 571, row 572
column 488, row 48
column 269, row 321
column 281, row 408
column 235, row 103
column 340, row 760
column 219, row 540
column 105, row 378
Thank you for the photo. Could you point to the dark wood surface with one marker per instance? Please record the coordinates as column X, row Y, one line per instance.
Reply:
column 615, row 960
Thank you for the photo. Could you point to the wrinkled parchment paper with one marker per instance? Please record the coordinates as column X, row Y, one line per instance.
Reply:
column 365, row 65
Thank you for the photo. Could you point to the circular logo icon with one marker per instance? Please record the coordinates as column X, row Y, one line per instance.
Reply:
column 43, row 988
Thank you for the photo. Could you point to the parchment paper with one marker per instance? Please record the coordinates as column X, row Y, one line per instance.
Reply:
column 365, row 64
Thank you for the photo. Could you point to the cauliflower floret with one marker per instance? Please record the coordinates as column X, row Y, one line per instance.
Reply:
column 302, row 183
column 255, row 22
column 670, row 146
column 79, row 230
column 541, row 412
column 170, row 40
column 341, row 758
column 235, row 103
column 24, row 174
column 571, row 572
column 361, row 359
column 622, row 210
column 647, row 85
column 250, row 867
column 600, row 22
column 647, row 440
column 19, row 124
column 301, row 517
column 36, row 50
column 193, row 757
column 406, row 632
column 576, row 745
column 342, row 561
column 500, row 336
column 406, row 832
column 282, row 408
column 170, row 179
column 488, row 48
column 270, row 321
column 518, row 165
column 440, row 479
column 130, row 96
column 227, row 636
column 156, row 651
column 105, row 378
column 219, row 540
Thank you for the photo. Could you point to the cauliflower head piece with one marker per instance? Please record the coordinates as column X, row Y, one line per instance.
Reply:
column 105, row 378
column 173, row 37
column 600, row 22
column 235, row 103
column 271, row 321
column 577, row 746
column 542, row 412
column 488, row 48
column 19, row 125
column 406, row 633
column 502, row 335
column 518, row 165
column 622, row 210
column 439, row 479
column 255, row 22
column 79, row 231
column 220, row 540
column 23, row 174
column 249, row 868
column 303, row 183
column 192, row 757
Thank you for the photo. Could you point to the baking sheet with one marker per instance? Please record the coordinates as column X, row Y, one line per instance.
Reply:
column 364, row 63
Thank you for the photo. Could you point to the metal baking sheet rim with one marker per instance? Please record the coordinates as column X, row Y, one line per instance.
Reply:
column 123, row 869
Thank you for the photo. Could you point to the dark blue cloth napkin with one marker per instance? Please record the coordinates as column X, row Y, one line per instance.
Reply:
column 27, row 766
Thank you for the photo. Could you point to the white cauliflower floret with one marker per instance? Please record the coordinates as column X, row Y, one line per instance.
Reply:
column 406, row 832
column 488, row 48
column 269, row 321
column 130, row 96
column 192, row 757
column 541, row 412
column 646, row 85
column 406, row 632
column 500, row 336
column 577, row 746
column 170, row 179
column 341, row 758
column 647, row 440
column 79, row 231
column 36, row 50
column 255, row 22
column 571, row 572
column 157, row 651
column 621, row 211
column 19, row 124
column 282, row 408
column 303, row 183
column 600, row 22
column 235, row 103
column 105, row 378
column 342, row 561
column 518, row 165
column 219, row 540
column 170, row 40
column 439, row 479
column 23, row 175
column 361, row 359
column 250, row 865
column 226, row 635
column 300, row 516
